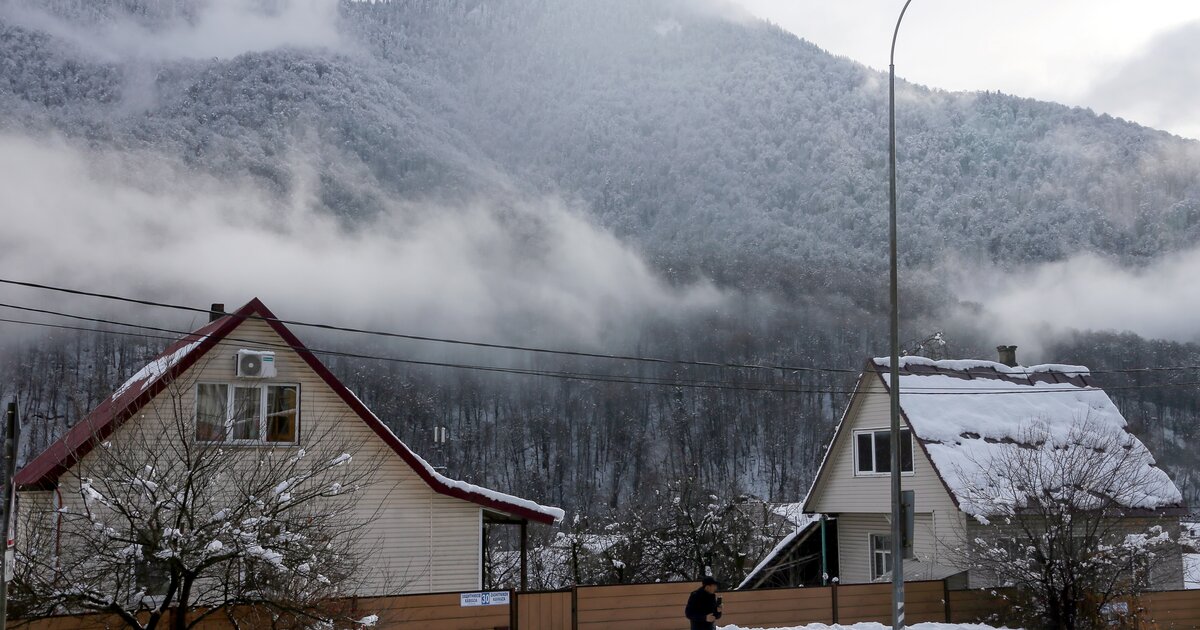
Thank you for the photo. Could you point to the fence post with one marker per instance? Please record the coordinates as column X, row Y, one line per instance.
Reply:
column 946, row 599
column 514, row 616
column 574, row 607
column 833, row 599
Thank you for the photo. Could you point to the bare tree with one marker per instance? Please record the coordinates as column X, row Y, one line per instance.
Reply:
column 1072, row 518
column 162, row 526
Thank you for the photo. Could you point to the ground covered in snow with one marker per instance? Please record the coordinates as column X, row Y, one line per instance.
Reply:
column 878, row 626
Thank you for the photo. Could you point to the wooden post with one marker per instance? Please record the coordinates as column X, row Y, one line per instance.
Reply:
column 524, row 555
column 514, row 615
column 574, row 607
column 833, row 598
column 946, row 599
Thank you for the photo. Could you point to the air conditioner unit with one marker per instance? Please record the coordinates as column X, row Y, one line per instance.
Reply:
column 255, row 364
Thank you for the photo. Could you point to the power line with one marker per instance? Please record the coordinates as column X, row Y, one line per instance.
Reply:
column 497, row 346
column 579, row 376
column 460, row 342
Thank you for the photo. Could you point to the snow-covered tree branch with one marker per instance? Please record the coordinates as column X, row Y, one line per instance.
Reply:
column 158, row 527
column 1071, row 519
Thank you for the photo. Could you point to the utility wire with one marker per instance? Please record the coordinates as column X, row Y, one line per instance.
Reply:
column 460, row 342
column 497, row 346
column 579, row 376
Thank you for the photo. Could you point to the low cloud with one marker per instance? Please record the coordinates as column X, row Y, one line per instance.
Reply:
column 1086, row 292
column 220, row 28
column 493, row 270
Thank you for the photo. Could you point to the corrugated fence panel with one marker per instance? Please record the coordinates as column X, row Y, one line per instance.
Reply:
column 433, row 612
column 1172, row 610
column 864, row 602
column 977, row 606
column 644, row 606
column 544, row 611
column 777, row 607
column 660, row 607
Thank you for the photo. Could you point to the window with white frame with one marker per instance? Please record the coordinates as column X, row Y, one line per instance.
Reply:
column 881, row 555
column 873, row 451
column 247, row 414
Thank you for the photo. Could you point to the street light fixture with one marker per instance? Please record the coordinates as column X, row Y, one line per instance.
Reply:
column 894, row 364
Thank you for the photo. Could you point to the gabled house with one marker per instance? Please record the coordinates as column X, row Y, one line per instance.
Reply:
column 957, row 416
column 422, row 530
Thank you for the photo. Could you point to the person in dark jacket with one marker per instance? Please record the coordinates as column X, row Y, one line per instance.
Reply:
column 702, row 607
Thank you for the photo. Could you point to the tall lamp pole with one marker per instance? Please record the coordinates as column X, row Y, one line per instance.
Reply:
column 894, row 364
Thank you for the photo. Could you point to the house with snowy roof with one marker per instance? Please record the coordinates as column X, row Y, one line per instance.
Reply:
column 959, row 420
column 246, row 382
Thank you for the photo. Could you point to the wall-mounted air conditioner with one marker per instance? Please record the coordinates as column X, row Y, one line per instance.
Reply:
column 255, row 364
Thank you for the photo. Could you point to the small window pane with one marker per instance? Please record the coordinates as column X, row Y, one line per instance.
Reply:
column 281, row 413
column 865, row 459
column 881, row 555
column 246, row 412
column 906, row 451
column 210, row 412
column 883, row 451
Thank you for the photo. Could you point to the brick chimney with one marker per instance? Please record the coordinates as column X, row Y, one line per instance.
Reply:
column 216, row 311
column 1008, row 355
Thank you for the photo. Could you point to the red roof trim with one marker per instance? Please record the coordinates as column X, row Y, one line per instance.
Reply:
column 43, row 472
column 390, row 438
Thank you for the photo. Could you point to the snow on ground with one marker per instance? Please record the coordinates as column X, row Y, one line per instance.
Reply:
column 873, row 627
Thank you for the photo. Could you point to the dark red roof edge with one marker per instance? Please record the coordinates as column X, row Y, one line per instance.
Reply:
column 43, row 472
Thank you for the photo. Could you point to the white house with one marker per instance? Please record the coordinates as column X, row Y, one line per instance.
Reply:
column 423, row 530
column 956, row 417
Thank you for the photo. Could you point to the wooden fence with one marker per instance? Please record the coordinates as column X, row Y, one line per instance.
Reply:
column 660, row 607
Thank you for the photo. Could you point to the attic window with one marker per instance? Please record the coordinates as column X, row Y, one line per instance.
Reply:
column 247, row 414
column 873, row 452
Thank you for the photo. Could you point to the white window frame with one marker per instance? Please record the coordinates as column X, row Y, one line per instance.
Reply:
column 230, row 388
column 872, row 472
column 872, row 552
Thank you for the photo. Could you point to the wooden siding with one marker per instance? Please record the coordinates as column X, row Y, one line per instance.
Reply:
column 417, row 540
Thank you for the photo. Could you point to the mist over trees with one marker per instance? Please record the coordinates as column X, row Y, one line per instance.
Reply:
column 718, row 148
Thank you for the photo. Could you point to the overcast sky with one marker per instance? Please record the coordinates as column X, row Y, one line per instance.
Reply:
column 1135, row 60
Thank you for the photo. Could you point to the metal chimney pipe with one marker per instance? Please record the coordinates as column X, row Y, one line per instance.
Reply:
column 216, row 311
column 1008, row 355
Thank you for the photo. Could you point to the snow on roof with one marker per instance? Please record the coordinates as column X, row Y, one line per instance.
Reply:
column 556, row 514
column 792, row 513
column 969, row 413
column 44, row 470
column 155, row 369
column 803, row 522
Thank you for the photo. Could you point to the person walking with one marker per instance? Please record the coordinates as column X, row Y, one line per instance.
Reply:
column 703, row 606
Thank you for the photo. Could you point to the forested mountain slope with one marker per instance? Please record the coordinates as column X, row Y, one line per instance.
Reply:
column 719, row 148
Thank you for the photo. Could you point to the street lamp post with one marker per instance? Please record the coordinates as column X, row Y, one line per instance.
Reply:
column 894, row 365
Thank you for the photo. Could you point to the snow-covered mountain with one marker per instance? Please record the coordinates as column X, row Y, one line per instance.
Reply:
column 716, row 148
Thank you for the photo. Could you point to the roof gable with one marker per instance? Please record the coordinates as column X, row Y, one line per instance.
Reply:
column 44, row 470
column 852, row 420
